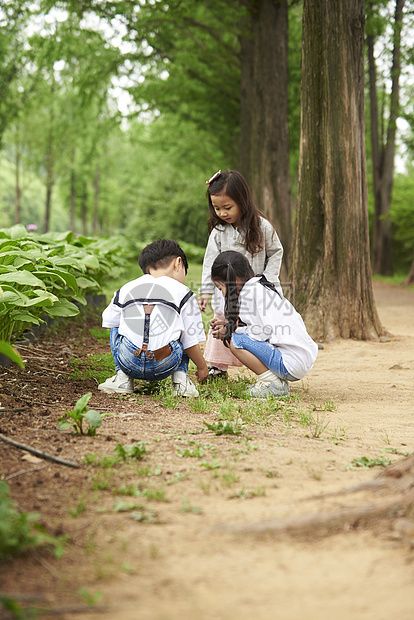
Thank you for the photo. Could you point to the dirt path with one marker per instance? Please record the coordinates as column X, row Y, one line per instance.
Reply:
column 184, row 567
column 187, row 571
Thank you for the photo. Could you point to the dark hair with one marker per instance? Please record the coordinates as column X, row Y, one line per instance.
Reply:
column 226, row 268
column 159, row 255
column 233, row 184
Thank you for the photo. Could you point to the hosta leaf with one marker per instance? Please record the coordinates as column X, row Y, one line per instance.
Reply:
column 7, row 350
column 63, row 308
column 26, row 278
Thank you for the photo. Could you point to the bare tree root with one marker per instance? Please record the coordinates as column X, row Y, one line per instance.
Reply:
column 397, row 479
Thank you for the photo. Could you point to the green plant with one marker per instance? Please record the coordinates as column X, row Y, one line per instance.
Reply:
column 131, row 451
column 364, row 461
column 187, row 507
column 81, row 413
column 319, row 425
column 90, row 599
column 7, row 350
column 80, row 509
column 225, row 427
column 92, row 366
column 19, row 530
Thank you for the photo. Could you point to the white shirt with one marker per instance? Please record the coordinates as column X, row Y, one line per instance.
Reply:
column 225, row 237
column 268, row 317
column 176, row 315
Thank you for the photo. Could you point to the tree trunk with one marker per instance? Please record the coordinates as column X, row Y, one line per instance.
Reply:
column 410, row 277
column 264, row 138
column 331, row 265
column 72, row 194
column 18, row 191
column 96, row 184
column 84, row 209
column 49, row 182
column 383, row 154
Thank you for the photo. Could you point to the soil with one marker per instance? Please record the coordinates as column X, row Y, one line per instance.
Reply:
column 186, row 550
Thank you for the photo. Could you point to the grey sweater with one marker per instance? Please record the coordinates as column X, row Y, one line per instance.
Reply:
column 224, row 237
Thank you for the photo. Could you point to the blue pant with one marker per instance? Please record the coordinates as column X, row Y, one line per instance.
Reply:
column 267, row 353
column 141, row 367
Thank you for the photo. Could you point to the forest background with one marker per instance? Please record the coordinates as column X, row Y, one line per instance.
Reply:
column 113, row 115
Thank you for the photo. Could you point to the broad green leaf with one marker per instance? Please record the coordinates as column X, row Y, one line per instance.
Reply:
column 63, row 308
column 26, row 278
column 24, row 317
column 82, row 402
column 94, row 418
column 7, row 350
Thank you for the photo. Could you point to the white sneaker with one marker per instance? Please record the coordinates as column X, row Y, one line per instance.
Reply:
column 119, row 383
column 277, row 387
column 183, row 385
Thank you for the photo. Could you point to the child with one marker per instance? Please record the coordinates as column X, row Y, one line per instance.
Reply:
column 156, row 324
column 235, row 224
column 261, row 328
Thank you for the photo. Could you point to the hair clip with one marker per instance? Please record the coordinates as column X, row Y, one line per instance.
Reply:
column 214, row 177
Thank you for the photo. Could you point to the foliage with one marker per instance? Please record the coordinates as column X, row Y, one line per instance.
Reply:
column 225, row 427
column 7, row 350
column 367, row 463
column 136, row 451
column 81, row 413
column 47, row 275
column 19, row 530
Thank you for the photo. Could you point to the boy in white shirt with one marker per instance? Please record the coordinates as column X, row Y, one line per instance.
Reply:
column 156, row 324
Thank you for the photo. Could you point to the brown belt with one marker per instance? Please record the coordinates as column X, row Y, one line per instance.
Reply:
column 158, row 354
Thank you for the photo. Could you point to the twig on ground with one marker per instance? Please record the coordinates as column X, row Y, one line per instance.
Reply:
column 24, row 471
column 39, row 453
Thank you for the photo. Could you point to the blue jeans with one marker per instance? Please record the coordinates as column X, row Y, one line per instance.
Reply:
column 267, row 353
column 141, row 367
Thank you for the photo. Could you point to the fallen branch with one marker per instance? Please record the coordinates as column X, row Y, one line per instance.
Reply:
column 39, row 453
column 24, row 471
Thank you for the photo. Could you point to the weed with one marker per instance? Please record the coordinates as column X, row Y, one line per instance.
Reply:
column 168, row 395
column 259, row 492
column 20, row 531
column 228, row 410
column 90, row 599
column 271, row 473
column 187, row 507
column 319, row 424
column 229, row 477
column 81, row 413
column 215, row 464
column 80, row 509
column 364, row 461
column 96, row 367
column 234, row 427
column 386, row 439
column 200, row 405
column 339, row 434
column 99, row 333
column 196, row 452
column 129, row 451
column 122, row 506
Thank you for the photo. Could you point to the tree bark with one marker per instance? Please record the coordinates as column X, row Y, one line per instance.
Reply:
column 72, row 194
column 383, row 154
column 410, row 277
column 49, row 163
column 264, row 137
column 331, row 264
column 96, row 184
column 18, row 191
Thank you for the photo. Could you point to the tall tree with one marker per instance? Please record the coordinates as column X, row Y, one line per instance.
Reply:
column 331, row 264
column 264, row 136
column 383, row 146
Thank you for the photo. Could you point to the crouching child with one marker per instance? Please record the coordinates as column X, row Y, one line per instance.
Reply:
column 156, row 324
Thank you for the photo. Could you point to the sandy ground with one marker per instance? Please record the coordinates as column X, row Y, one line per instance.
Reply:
column 190, row 569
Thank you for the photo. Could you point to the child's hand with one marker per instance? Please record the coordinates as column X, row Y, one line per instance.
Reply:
column 219, row 331
column 203, row 301
column 202, row 373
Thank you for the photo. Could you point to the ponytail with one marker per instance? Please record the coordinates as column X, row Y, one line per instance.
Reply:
column 227, row 268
